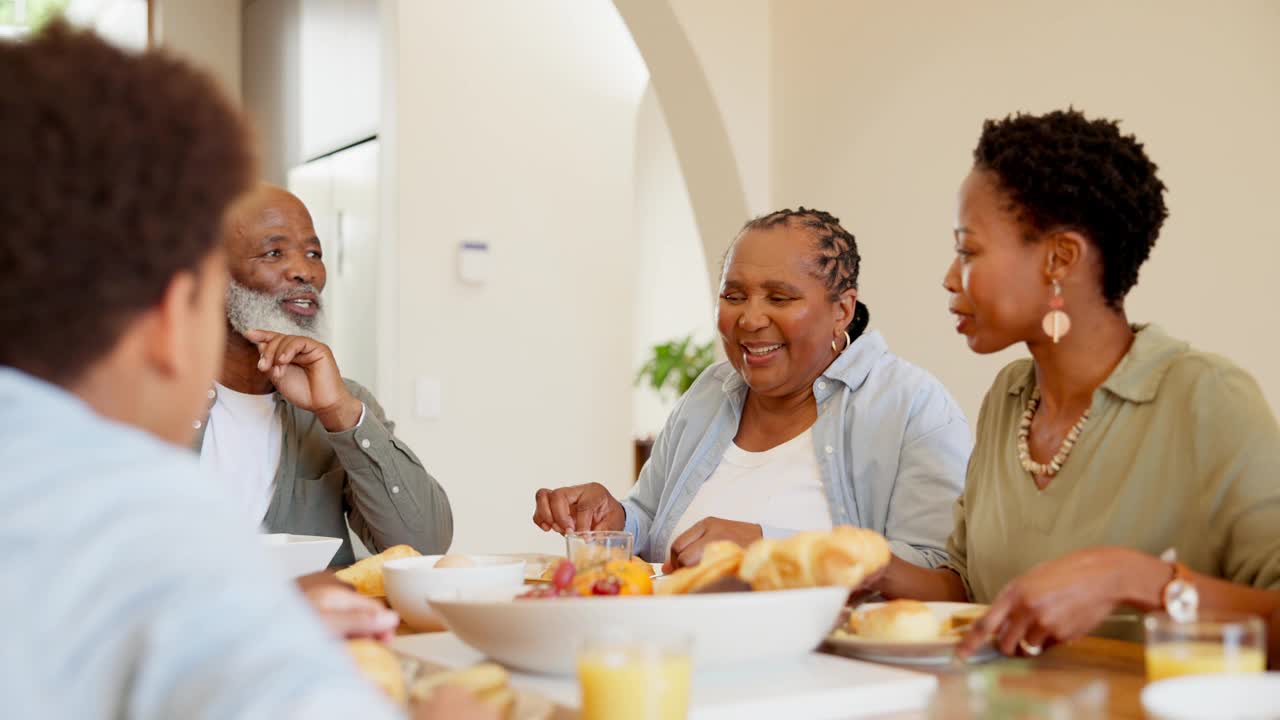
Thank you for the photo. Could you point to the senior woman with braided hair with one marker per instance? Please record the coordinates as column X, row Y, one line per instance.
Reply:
column 811, row 423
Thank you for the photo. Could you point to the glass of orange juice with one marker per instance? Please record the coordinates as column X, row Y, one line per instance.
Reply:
column 629, row 678
column 1214, row 642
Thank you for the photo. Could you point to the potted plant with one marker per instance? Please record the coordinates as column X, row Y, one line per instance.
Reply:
column 670, row 371
column 675, row 364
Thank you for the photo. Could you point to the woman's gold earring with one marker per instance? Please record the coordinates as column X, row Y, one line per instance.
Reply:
column 847, row 343
column 1057, row 322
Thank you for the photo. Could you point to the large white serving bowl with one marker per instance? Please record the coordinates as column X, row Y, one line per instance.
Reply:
column 1244, row 696
column 298, row 555
column 542, row 634
column 412, row 582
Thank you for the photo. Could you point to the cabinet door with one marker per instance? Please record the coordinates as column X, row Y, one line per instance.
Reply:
column 340, row 73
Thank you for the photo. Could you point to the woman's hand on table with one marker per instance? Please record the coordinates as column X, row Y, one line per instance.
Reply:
column 453, row 703
column 1060, row 600
column 687, row 549
column 578, row 508
column 349, row 615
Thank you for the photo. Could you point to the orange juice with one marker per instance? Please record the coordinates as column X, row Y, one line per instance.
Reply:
column 624, row 687
column 1199, row 658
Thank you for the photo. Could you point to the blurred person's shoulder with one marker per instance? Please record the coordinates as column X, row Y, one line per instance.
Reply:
column 65, row 459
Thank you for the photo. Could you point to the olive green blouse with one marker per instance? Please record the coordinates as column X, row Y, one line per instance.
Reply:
column 1181, row 450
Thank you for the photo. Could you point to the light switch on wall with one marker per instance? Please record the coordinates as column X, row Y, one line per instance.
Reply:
column 474, row 262
column 426, row 398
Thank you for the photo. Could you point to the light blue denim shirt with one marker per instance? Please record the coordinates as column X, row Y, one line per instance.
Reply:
column 892, row 448
column 131, row 589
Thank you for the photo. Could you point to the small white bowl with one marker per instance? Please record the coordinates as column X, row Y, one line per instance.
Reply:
column 1228, row 696
column 300, row 554
column 412, row 582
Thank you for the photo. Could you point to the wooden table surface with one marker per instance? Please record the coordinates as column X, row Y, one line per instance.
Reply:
column 1061, row 670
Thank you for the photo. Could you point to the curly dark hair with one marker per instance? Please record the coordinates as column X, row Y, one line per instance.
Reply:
column 115, row 171
column 1063, row 170
column 838, row 261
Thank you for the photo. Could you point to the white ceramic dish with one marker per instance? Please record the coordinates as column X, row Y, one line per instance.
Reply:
column 412, row 582
column 541, row 635
column 300, row 554
column 921, row 652
column 1244, row 696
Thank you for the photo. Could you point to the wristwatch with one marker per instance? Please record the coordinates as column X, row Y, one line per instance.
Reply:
column 1181, row 599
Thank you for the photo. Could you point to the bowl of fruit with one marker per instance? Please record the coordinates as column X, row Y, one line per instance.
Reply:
column 615, row 577
column 540, row 629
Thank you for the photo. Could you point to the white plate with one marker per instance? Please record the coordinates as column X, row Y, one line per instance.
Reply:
column 920, row 652
column 300, row 554
column 1245, row 696
column 541, row 635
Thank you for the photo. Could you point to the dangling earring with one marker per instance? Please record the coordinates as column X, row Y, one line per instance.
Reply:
column 847, row 343
column 1056, row 322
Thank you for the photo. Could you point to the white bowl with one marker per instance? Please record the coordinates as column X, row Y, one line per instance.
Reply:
column 411, row 582
column 542, row 634
column 298, row 555
column 1243, row 696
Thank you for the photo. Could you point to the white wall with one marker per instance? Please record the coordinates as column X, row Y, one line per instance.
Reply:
column 878, row 104
column 272, row 83
column 672, row 292
column 205, row 31
column 515, row 124
column 733, row 42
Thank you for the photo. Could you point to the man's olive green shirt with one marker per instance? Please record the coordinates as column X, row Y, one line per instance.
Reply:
column 365, row 475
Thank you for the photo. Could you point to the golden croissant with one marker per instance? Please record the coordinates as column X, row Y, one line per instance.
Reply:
column 842, row 557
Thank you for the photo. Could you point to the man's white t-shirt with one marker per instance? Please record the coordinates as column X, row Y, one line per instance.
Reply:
column 241, row 449
column 780, row 488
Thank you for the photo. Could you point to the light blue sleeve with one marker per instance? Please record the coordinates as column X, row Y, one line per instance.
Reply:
column 641, row 505
column 178, row 594
column 931, row 471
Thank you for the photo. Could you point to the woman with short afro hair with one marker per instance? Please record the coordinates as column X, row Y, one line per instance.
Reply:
column 1114, row 442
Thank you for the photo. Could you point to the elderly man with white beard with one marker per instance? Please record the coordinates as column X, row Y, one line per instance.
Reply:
column 302, row 449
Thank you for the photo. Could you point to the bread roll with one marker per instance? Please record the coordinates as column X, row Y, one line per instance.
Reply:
column 898, row 621
column 478, row 679
column 845, row 557
column 380, row 666
column 720, row 559
column 961, row 620
column 366, row 575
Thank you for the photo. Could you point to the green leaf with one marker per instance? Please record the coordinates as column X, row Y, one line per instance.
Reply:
column 673, row 366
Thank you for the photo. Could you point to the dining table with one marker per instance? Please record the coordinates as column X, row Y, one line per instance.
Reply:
column 1061, row 670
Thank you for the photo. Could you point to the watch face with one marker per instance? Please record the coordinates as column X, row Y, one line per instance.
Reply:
column 1181, row 601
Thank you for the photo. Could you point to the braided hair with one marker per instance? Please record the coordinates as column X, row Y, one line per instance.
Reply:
column 838, row 260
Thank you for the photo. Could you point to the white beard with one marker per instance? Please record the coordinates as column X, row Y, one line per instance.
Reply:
column 248, row 309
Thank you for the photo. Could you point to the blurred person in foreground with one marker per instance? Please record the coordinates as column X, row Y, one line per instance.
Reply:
column 128, row 591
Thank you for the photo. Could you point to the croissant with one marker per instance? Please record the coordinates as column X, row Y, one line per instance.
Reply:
column 720, row 559
column 845, row 557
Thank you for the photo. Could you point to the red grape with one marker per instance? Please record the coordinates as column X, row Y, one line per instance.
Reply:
column 606, row 586
column 563, row 576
